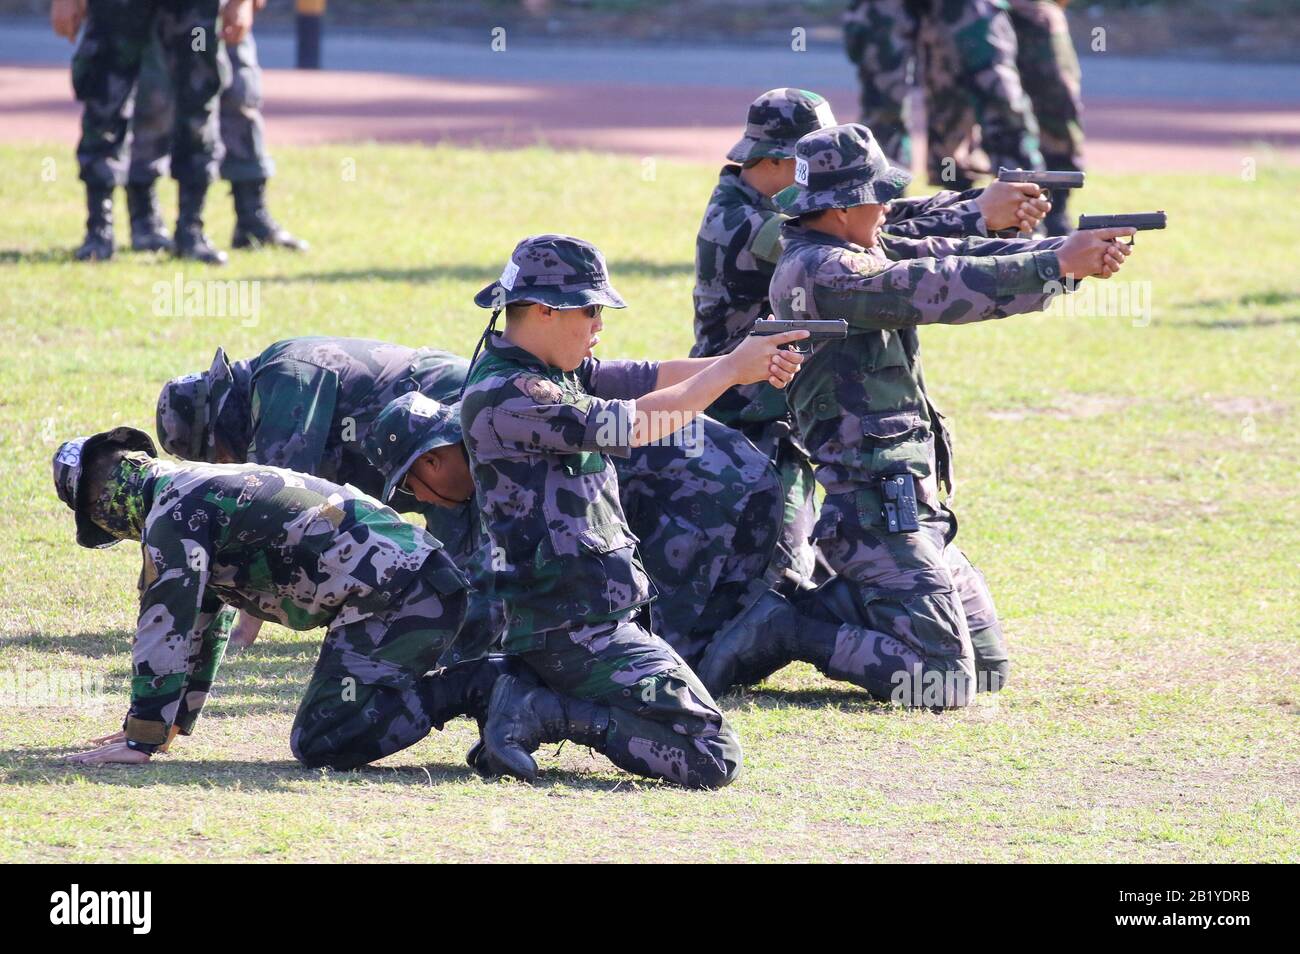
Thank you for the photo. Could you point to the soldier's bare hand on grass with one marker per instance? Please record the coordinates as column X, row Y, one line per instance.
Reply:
column 66, row 16
column 1013, row 205
column 1094, row 253
column 112, row 753
column 118, row 736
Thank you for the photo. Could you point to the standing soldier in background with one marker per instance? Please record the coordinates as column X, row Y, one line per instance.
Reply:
column 245, row 163
column 105, row 69
column 882, row 38
column 1049, row 69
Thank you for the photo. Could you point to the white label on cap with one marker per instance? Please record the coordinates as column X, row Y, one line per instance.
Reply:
column 70, row 454
column 422, row 406
column 801, row 170
column 189, row 378
column 824, row 115
column 509, row 275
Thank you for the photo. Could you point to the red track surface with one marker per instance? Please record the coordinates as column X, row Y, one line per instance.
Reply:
column 694, row 123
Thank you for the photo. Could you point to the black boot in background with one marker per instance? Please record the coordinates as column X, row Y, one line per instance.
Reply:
column 253, row 223
column 98, row 243
column 190, row 240
column 147, row 232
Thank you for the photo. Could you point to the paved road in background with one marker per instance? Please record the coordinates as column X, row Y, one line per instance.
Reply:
column 682, row 102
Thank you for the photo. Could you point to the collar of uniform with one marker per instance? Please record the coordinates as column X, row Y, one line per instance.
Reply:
column 506, row 351
column 794, row 232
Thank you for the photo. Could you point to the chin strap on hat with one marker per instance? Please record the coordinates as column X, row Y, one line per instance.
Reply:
column 482, row 340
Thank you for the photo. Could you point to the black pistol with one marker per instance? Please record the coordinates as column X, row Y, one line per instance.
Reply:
column 1048, row 179
column 1142, row 221
column 831, row 329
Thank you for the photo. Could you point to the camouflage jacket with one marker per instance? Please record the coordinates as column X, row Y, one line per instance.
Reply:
column 861, row 404
column 284, row 547
column 311, row 399
column 736, row 251
column 538, row 440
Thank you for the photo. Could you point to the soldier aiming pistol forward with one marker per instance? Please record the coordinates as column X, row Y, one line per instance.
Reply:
column 284, row 547
column 906, row 617
column 737, row 248
column 541, row 418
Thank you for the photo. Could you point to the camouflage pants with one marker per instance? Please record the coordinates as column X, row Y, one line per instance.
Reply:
column 370, row 695
column 663, row 723
column 105, row 69
column 708, row 516
column 1049, row 71
column 916, row 622
column 243, row 143
column 972, row 42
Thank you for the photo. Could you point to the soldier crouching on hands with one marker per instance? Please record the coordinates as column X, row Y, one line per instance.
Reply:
column 906, row 616
column 285, row 547
column 541, row 418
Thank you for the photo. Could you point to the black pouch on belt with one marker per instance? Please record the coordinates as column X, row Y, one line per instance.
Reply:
column 898, row 503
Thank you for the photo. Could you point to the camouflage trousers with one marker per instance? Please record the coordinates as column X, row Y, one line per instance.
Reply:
column 708, row 516
column 915, row 621
column 105, row 69
column 1049, row 71
column 242, row 155
column 371, row 693
column 662, row 723
column 971, row 44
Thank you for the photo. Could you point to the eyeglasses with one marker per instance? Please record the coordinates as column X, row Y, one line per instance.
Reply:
column 593, row 311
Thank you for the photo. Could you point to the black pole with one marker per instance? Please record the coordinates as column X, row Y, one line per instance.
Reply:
column 311, row 14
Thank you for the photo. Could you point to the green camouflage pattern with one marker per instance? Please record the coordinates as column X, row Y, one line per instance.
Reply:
column 306, row 404
column 555, row 270
column 1049, row 71
column 283, row 547
column 68, row 467
column 107, row 65
column 242, row 155
column 971, row 40
column 407, row 428
column 864, row 411
column 839, row 167
column 777, row 120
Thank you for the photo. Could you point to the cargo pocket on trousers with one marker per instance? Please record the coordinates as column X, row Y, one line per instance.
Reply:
column 937, row 623
column 613, row 568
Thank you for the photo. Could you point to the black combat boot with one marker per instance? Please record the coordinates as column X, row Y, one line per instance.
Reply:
column 98, row 243
column 253, row 223
column 190, row 240
column 1057, row 222
column 522, row 717
column 754, row 645
column 147, row 232
column 465, row 688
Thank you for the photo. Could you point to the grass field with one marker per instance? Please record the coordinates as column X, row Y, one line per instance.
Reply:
column 1128, row 486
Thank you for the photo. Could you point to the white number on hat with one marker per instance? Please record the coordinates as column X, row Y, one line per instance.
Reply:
column 70, row 454
column 509, row 275
column 801, row 170
column 422, row 406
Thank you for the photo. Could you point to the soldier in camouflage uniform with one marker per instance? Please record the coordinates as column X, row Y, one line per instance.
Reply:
column 907, row 617
column 1049, row 69
column 105, row 69
column 541, row 418
column 882, row 37
column 737, row 248
column 707, row 516
column 286, row 547
column 245, row 163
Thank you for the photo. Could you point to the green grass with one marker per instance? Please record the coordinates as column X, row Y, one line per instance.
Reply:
column 1129, row 491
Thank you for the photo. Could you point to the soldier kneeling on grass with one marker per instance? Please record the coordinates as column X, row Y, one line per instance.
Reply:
column 284, row 547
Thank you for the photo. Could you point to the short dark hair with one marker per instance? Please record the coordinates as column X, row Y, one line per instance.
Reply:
column 517, row 309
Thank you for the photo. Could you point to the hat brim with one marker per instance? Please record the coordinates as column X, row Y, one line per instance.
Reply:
column 451, row 435
column 491, row 297
column 749, row 148
column 883, row 188
column 90, row 534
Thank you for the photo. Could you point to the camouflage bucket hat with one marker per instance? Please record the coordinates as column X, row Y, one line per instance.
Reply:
column 189, row 405
column 840, row 167
column 406, row 428
column 777, row 120
column 555, row 270
column 69, row 464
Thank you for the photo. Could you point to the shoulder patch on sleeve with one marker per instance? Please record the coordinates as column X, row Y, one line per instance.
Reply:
column 540, row 389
